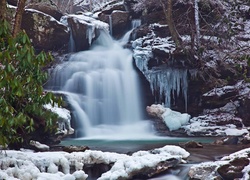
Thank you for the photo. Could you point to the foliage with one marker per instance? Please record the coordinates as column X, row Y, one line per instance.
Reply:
column 21, row 92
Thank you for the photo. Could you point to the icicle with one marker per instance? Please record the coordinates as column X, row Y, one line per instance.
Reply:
column 90, row 33
column 168, row 82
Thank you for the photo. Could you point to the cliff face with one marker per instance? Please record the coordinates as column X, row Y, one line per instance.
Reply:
column 220, row 60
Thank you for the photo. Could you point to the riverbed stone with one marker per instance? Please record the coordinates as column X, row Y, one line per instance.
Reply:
column 233, row 169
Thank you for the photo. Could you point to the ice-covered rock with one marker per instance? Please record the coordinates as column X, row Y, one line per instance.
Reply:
column 84, row 29
column 39, row 146
column 64, row 119
column 173, row 119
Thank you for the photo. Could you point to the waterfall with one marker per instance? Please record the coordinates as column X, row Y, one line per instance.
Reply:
column 102, row 88
column 110, row 25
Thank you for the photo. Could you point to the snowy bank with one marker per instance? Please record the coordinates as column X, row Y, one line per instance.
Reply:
column 27, row 165
column 174, row 120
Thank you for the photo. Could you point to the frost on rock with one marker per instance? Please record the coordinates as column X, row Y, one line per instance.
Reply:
column 62, row 165
column 174, row 120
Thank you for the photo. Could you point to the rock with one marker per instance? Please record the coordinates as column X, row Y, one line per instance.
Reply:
column 71, row 148
column 233, row 170
column 47, row 9
column 245, row 139
column 233, row 140
column 193, row 144
column 244, row 112
column 118, row 21
column 148, row 172
column 155, row 110
column 84, row 30
column 38, row 146
column 45, row 32
column 12, row 2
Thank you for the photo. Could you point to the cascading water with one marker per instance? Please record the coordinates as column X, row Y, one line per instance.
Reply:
column 102, row 87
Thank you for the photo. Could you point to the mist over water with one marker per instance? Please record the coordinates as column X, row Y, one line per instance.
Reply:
column 102, row 87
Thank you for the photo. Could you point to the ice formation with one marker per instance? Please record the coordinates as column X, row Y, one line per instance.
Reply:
column 63, row 120
column 166, row 83
column 174, row 120
column 28, row 165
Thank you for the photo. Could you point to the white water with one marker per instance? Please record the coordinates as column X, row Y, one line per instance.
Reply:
column 102, row 88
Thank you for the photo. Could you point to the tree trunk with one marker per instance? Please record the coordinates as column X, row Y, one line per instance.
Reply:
column 18, row 17
column 197, row 24
column 169, row 17
column 2, row 9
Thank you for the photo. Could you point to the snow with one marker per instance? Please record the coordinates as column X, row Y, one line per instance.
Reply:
column 62, row 165
column 64, row 118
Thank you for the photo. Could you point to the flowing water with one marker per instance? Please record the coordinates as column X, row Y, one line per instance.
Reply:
column 102, row 87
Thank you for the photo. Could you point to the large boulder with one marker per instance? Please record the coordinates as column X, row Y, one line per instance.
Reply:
column 45, row 32
column 47, row 9
column 84, row 30
column 119, row 21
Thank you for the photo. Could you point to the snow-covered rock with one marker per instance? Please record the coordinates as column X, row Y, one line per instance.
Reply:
column 84, row 29
column 64, row 119
column 39, row 146
column 233, row 166
column 61, row 165
column 173, row 119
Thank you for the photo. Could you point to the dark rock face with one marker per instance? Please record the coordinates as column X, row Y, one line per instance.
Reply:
column 118, row 20
column 244, row 112
column 47, row 9
column 79, row 34
column 44, row 31
column 12, row 2
column 234, row 169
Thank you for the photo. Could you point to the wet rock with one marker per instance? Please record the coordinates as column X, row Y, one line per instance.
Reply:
column 118, row 20
column 71, row 148
column 193, row 144
column 234, row 169
column 227, row 141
